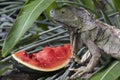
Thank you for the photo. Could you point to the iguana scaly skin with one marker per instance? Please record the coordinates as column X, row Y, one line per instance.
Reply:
column 85, row 29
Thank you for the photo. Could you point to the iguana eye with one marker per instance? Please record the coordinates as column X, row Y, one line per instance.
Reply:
column 52, row 13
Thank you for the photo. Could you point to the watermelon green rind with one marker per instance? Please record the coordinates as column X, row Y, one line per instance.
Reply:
column 28, row 70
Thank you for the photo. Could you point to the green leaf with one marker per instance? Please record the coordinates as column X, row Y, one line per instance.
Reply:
column 4, row 66
column 116, row 4
column 26, row 18
column 118, row 20
column 111, row 72
column 89, row 4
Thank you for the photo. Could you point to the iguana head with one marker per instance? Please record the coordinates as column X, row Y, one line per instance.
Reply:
column 72, row 16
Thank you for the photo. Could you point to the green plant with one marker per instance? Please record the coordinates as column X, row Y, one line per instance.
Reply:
column 33, row 29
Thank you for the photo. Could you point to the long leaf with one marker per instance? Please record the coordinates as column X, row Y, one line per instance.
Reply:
column 110, row 73
column 28, row 15
column 4, row 66
column 89, row 4
column 117, row 4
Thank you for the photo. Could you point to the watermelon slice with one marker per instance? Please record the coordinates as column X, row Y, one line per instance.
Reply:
column 48, row 59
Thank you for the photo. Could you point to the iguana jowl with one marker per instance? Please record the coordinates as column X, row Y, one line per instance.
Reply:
column 85, row 29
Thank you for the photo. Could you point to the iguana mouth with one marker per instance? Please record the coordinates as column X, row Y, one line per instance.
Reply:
column 66, row 25
column 61, row 22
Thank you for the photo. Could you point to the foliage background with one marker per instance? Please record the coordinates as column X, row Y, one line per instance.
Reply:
column 26, row 25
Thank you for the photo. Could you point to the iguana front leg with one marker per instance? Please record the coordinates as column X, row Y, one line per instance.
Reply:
column 72, row 41
column 75, row 42
column 94, row 50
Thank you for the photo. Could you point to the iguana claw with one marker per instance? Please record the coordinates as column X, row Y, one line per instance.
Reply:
column 79, row 72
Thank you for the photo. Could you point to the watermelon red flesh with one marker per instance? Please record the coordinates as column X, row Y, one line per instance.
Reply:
column 49, row 59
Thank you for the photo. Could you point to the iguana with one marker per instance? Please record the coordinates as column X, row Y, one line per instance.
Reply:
column 84, row 29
